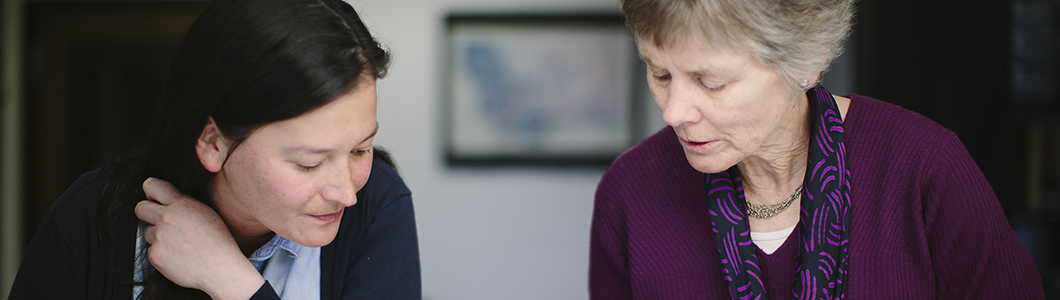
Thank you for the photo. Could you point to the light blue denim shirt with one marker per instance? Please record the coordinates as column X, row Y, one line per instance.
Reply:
column 294, row 274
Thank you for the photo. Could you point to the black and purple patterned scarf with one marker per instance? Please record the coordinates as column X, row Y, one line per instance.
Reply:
column 823, row 258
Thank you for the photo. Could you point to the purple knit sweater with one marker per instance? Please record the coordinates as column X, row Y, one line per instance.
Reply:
column 924, row 222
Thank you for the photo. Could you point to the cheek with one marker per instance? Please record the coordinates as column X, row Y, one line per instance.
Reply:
column 283, row 187
column 759, row 121
column 743, row 121
column 265, row 191
column 728, row 116
column 361, row 172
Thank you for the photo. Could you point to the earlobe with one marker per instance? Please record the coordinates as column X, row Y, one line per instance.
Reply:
column 815, row 79
column 212, row 147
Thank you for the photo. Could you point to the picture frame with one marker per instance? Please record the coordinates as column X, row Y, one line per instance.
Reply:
column 538, row 89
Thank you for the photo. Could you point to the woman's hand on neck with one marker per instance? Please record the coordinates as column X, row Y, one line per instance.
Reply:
column 191, row 245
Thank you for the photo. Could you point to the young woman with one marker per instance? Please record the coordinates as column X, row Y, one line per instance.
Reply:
column 266, row 126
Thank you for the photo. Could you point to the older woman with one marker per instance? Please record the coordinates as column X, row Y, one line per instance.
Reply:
column 766, row 186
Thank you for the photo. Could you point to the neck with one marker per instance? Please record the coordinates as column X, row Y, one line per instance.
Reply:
column 247, row 236
column 779, row 166
column 248, row 241
column 248, row 233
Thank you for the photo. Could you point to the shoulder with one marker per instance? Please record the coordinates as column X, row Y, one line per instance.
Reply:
column 879, row 130
column 657, row 148
column 67, row 248
column 656, row 163
column 78, row 206
column 385, row 192
column 384, row 184
column 872, row 119
column 376, row 240
column 384, row 198
column 653, row 153
column 894, row 153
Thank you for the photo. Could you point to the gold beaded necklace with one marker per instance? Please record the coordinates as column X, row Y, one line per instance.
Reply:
column 767, row 211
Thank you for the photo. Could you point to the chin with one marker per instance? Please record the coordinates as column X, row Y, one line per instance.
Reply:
column 319, row 239
column 707, row 164
column 318, row 242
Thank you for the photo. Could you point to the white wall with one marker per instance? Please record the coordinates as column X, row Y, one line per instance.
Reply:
column 495, row 233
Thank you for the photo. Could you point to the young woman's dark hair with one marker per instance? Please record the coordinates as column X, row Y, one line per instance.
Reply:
column 245, row 63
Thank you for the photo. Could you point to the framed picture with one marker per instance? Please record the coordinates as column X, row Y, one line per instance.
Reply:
column 553, row 90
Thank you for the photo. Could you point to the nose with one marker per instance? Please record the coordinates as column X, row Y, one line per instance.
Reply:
column 342, row 195
column 340, row 186
column 678, row 105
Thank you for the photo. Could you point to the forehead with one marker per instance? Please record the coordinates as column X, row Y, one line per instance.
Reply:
column 692, row 51
column 343, row 121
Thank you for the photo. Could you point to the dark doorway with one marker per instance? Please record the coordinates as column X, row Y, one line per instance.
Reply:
column 93, row 72
column 984, row 69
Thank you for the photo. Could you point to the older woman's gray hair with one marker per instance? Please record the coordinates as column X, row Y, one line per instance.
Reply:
column 798, row 38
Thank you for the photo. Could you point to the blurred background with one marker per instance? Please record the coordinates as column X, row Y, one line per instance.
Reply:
column 78, row 79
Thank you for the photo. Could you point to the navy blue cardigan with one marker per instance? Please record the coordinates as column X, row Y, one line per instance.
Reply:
column 374, row 256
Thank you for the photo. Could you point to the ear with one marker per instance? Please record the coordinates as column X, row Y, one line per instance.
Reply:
column 212, row 147
column 816, row 78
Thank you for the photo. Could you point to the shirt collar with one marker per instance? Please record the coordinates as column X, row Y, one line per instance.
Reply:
column 278, row 242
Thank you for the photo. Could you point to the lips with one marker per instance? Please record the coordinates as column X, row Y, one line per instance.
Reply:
column 328, row 218
column 693, row 143
column 697, row 146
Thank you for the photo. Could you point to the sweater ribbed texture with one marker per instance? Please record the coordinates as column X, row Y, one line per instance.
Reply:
column 924, row 224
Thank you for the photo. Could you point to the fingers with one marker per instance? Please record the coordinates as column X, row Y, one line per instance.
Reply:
column 148, row 211
column 149, row 234
column 161, row 191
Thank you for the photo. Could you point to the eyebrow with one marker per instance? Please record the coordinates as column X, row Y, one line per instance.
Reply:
column 647, row 60
column 370, row 136
column 701, row 72
column 312, row 150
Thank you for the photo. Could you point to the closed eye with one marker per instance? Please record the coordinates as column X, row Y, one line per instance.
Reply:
column 710, row 87
column 362, row 152
column 660, row 77
column 713, row 88
column 307, row 168
column 663, row 76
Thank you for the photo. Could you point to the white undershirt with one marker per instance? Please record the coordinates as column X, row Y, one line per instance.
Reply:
column 769, row 242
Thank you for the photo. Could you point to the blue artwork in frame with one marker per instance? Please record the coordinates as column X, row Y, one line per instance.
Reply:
column 524, row 89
